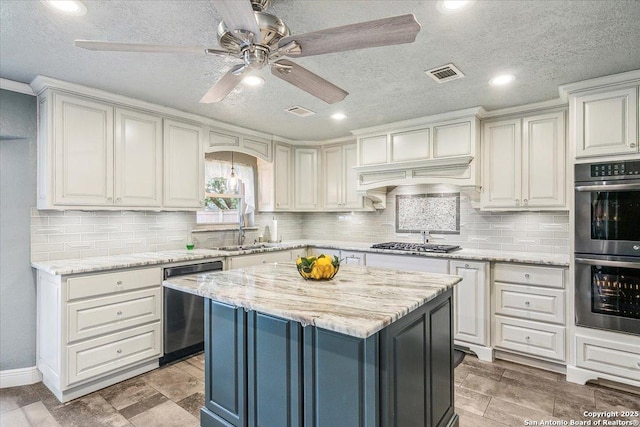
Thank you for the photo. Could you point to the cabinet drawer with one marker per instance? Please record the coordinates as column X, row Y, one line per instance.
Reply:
column 529, row 275
column 102, row 284
column 97, row 316
column 530, row 302
column 93, row 358
column 534, row 338
column 611, row 357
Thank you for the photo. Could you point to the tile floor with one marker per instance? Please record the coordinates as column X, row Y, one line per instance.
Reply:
column 487, row 394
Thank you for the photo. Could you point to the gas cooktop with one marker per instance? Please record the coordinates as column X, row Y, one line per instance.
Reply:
column 416, row 247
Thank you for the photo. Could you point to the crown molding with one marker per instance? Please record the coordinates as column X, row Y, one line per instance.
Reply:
column 14, row 86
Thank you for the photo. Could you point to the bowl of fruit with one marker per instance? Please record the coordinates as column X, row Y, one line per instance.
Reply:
column 322, row 267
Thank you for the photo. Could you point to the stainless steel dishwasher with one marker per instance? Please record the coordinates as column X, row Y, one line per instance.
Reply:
column 184, row 315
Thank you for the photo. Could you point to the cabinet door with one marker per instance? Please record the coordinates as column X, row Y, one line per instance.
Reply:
column 332, row 180
column 83, row 152
column 138, row 159
column 306, row 178
column 501, row 164
column 372, row 150
column 183, row 165
column 412, row 145
column 283, row 173
column 543, row 160
column 471, row 302
column 351, row 199
column 607, row 123
column 452, row 139
column 266, row 184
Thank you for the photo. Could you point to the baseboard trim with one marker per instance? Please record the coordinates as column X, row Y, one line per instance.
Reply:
column 18, row 377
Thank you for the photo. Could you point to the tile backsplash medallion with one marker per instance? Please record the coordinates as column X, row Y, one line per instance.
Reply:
column 78, row 234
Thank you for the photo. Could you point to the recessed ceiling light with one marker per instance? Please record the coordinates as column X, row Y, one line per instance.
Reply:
column 69, row 7
column 448, row 6
column 502, row 79
column 338, row 116
column 253, row 80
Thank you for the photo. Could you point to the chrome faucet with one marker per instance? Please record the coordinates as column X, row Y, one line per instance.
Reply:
column 240, row 227
column 425, row 236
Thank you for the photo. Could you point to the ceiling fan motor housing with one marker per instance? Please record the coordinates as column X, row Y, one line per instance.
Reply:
column 272, row 29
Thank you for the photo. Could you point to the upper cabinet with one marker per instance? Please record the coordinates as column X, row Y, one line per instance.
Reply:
column 339, row 179
column 221, row 140
column 183, row 165
column 524, row 163
column 275, row 189
column 606, row 122
column 432, row 150
column 305, row 183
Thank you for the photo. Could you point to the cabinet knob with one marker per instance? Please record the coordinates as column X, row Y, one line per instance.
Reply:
column 466, row 266
column 118, row 200
column 119, row 313
column 527, row 303
column 119, row 351
column 527, row 338
column 632, row 145
column 526, row 202
column 526, row 276
column 119, row 283
column 517, row 202
column 109, row 199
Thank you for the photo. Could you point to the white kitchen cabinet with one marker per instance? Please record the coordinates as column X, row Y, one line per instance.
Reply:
column 82, row 151
column 138, row 159
column 471, row 325
column 454, row 138
column 183, row 165
column 95, row 330
column 305, row 184
column 524, row 163
column 604, row 354
column 410, row 145
column 353, row 258
column 606, row 122
column 408, row 262
column 372, row 150
column 339, row 180
column 275, row 189
column 529, row 310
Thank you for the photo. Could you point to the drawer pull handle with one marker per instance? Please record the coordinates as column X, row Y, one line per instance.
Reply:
column 527, row 303
column 527, row 338
column 119, row 313
column 119, row 351
column 526, row 276
column 119, row 283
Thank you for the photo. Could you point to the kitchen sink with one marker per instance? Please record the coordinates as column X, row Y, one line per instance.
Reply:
column 237, row 248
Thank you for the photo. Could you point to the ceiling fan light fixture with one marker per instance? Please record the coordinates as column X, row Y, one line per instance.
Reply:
column 452, row 6
column 253, row 81
column 502, row 80
column 68, row 7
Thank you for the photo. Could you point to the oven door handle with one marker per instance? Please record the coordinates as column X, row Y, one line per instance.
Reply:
column 605, row 263
column 610, row 187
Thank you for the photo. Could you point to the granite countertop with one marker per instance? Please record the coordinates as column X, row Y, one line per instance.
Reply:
column 358, row 302
column 94, row 264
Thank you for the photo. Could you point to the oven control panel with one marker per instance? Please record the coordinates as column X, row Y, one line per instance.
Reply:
column 615, row 169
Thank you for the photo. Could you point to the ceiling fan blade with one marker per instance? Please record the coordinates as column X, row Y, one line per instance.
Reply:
column 381, row 32
column 238, row 15
column 137, row 47
column 311, row 83
column 225, row 85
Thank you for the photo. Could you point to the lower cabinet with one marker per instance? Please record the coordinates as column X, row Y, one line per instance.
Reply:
column 262, row 370
column 471, row 307
column 94, row 330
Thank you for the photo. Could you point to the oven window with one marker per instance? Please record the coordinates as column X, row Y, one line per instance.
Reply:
column 615, row 215
column 615, row 291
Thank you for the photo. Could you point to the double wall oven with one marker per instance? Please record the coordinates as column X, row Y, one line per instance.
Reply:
column 607, row 246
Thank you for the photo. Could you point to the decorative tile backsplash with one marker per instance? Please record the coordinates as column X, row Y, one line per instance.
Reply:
column 433, row 212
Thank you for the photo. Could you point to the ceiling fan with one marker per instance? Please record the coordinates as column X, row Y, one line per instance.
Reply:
column 259, row 39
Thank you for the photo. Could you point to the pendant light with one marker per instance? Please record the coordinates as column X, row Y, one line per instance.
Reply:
column 233, row 179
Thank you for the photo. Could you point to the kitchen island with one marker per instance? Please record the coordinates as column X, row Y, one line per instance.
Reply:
column 372, row 347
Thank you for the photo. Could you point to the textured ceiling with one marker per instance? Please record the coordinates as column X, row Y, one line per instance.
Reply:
column 544, row 43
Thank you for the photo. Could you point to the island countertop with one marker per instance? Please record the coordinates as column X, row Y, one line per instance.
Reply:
column 359, row 301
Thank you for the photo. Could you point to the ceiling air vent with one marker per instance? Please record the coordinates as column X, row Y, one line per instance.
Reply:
column 299, row 111
column 445, row 73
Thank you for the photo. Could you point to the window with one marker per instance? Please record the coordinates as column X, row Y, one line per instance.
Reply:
column 225, row 200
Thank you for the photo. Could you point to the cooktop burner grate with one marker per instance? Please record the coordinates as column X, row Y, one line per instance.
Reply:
column 416, row 247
